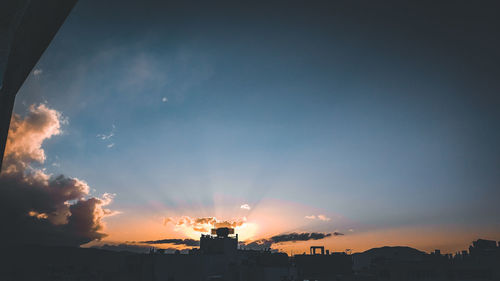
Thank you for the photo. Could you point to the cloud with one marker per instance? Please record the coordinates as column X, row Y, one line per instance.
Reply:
column 24, row 142
column 292, row 237
column 179, row 74
column 135, row 248
column 323, row 218
column 107, row 137
column 123, row 247
column 186, row 242
column 319, row 217
column 167, row 220
column 164, row 99
column 231, row 224
column 282, row 238
column 39, row 208
column 259, row 245
column 245, row 207
column 204, row 224
column 37, row 71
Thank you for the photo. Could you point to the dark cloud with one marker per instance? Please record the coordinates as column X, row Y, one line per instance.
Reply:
column 38, row 208
column 187, row 242
column 124, row 248
column 135, row 248
column 291, row 237
column 259, row 245
column 37, row 211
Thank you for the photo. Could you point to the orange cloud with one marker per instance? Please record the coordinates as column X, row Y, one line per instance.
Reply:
column 38, row 215
column 25, row 138
column 202, row 225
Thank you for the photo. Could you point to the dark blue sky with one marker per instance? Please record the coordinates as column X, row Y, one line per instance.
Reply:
column 385, row 115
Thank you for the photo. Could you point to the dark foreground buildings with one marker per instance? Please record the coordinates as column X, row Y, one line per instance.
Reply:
column 481, row 262
column 218, row 258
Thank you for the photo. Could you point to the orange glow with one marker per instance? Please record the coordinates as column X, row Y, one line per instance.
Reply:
column 447, row 239
column 38, row 215
column 274, row 217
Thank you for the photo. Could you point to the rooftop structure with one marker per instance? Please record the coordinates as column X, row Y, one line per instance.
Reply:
column 322, row 265
column 222, row 241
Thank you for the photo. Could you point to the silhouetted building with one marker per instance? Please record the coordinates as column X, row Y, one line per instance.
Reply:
column 216, row 260
column 483, row 247
column 224, row 242
column 320, row 266
column 265, row 266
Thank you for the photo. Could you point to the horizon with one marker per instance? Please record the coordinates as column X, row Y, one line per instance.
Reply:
column 189, row 244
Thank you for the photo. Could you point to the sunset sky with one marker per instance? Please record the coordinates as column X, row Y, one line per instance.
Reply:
column 280, row 117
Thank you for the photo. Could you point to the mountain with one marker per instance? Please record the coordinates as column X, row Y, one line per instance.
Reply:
column 362, row 260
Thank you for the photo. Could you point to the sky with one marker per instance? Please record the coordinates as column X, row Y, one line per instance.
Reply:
column 377, row 122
